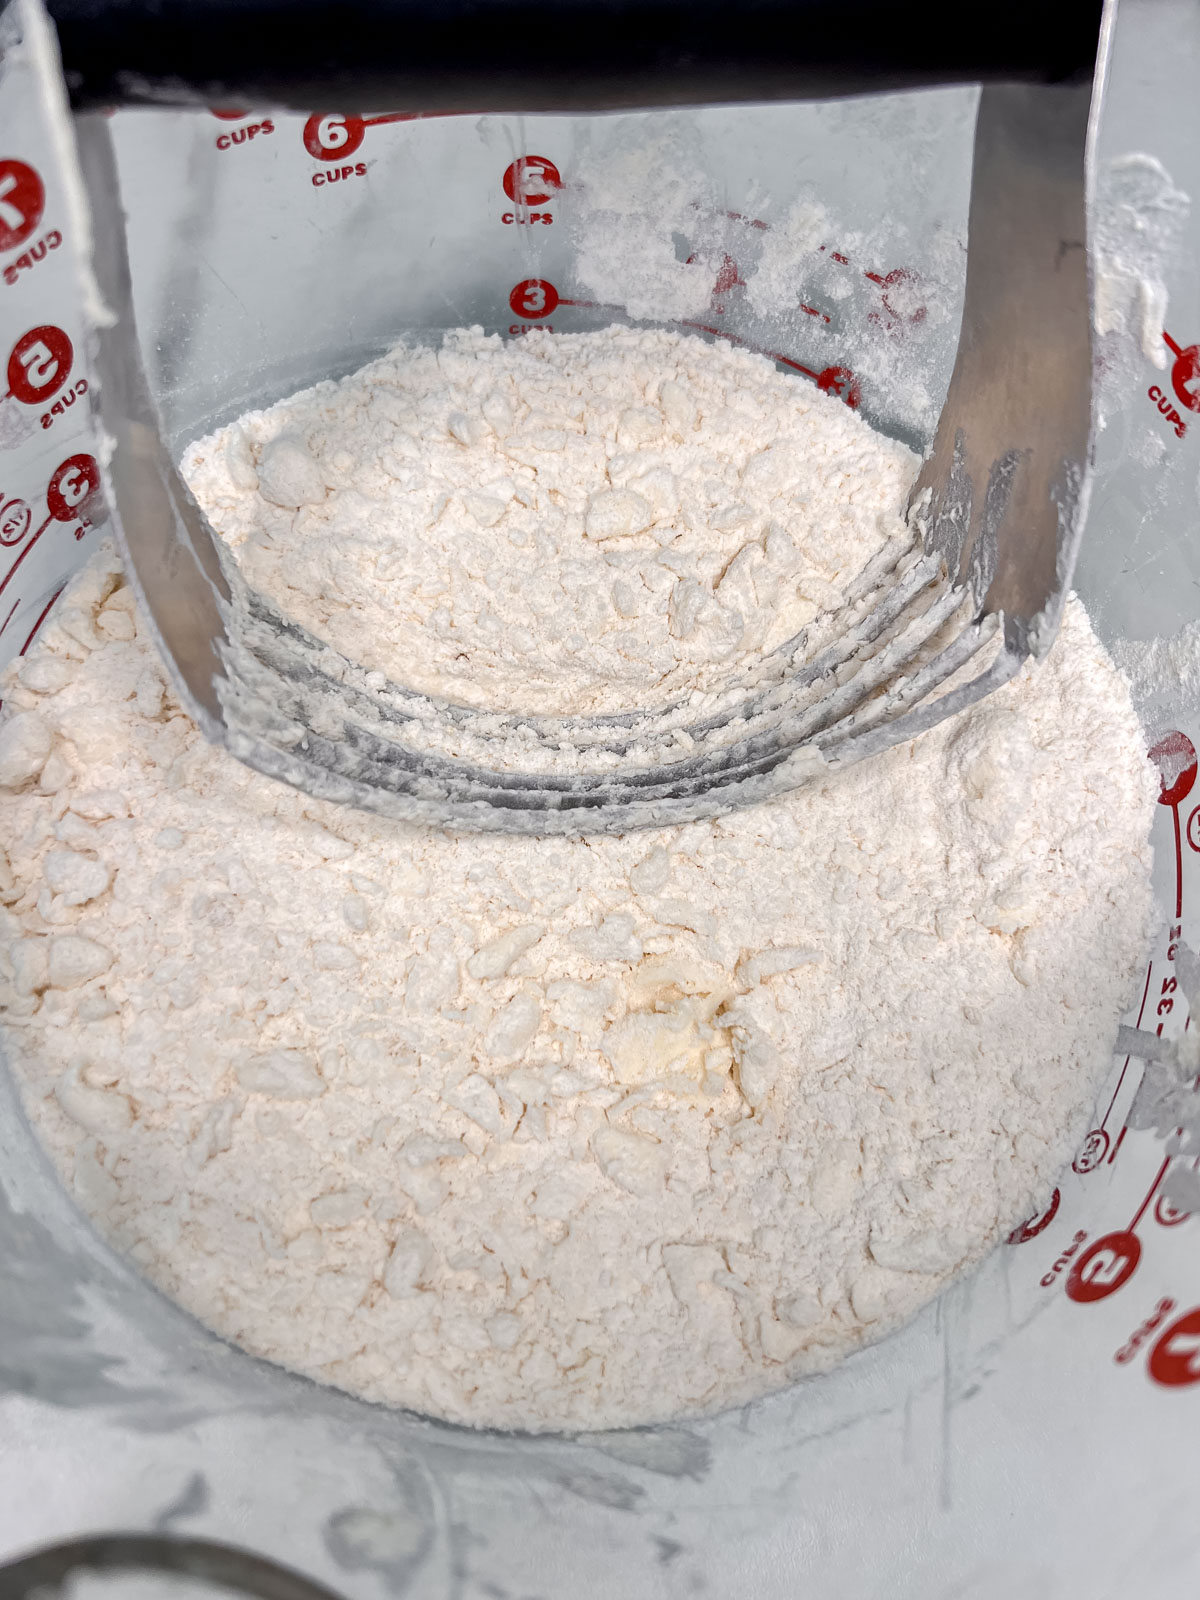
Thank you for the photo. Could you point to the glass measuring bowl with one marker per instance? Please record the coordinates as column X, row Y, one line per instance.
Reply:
column 1053, row 1392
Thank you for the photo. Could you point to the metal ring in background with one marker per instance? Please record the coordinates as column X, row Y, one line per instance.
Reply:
column 138, row 1554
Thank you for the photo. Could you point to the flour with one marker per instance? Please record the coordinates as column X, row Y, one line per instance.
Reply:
column 686, row 509
column 654, row 239
column 1138, row 223
column 554, row 1132
column 1162, row 673
column 640, row 197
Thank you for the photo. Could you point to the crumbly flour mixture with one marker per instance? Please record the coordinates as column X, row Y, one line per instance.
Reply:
column 556, row 1133
column 556, row 524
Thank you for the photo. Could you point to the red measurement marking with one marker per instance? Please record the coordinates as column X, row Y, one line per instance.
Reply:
column 1185, row 373
column 1119, row 1143
column 898, row 287
column 70, row 494
column 15, row 517
column 64, row 402
column 1037, row 1224
column 227, row 141
column 22, row 201
column 228, row 116
column 410, row 116
column 11, row 573
column 750, row 222
column 535, row 298
column 348, row 169
column 1166, row 1214
column 1063, row 1261
column 73, row 486
column 531, row 180
column 728, row 278
column 1140, row 1334
column 1104, row 1267
column 894, row 281
column 774, row 355
column 42, row 615
column 1091, row 1152
column 1150, row 1193
column 1175, row 757
column 1125, row 1068
column 1145, row 992
column 1175, row 1359
column 29, row 259
column 841, row 382
column 1162, row 404
column 329, row 138
column 39, row 364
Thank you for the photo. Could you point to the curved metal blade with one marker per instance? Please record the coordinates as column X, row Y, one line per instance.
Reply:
column 1003, row 493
